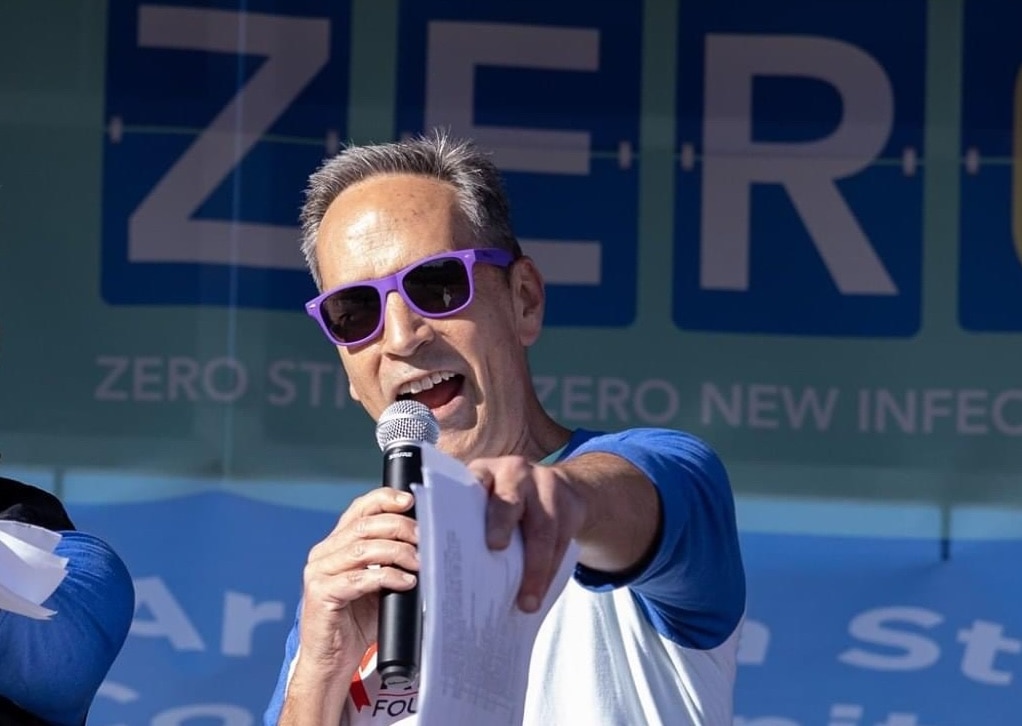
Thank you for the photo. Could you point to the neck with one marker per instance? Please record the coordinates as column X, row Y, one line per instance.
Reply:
column 542, row 435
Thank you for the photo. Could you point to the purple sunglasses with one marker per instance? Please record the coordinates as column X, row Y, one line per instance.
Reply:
column 434, row 287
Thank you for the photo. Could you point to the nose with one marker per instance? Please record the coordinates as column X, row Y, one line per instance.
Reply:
column 404, row 330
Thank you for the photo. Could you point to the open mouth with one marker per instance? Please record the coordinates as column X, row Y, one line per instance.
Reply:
column 433, row 392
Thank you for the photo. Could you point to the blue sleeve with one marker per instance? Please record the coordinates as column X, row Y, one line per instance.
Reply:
column 54, row 667
column 272, row 713
column 692, row 586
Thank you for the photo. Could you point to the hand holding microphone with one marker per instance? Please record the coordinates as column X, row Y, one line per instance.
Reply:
column 403, row 427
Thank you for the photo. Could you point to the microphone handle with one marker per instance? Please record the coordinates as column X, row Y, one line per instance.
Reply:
column 400, row 619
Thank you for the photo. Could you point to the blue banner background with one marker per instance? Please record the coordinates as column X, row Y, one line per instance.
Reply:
column 186, row 410
column 193, row 554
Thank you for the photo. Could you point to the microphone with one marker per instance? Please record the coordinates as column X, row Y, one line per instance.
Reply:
column 402, row 427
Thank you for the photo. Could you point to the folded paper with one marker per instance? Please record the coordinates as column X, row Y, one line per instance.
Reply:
column 29, row 569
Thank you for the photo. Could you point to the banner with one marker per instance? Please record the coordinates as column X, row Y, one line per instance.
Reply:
column 801, row 216
column 842, row 629
column 789, row 227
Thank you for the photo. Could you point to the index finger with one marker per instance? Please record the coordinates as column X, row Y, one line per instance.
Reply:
column 542, row 553
column 376, row 501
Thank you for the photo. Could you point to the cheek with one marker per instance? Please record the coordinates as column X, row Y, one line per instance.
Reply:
column 358, row 373
column 497, row 327
column 501, row 359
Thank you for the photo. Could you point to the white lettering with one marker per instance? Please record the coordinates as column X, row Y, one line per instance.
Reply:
column 983, row 641
column 151, row 379
column 183, row 374
column 1000, row 420
column 712, row 399
column 659, row 390
column 612, row 393
column 285, row 391
column 577, row 390
column 588, row 399
column 162, row 228
column 904, row 416
column 116, row 367
column 936, row 404
column 967, row 411
column 313, row 383
column 733, row 162
column 454, row 51
column 147, row 372
column 900, row 719
column 232, row 388
column 229, row 715
column 767, row 406
column 841, row 714
column 875, row 626
column 762, row 405
column 809, row 402
column 754, row 643
column 241, row 617
column 168, row 618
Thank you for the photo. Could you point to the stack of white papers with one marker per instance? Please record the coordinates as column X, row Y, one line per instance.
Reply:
column 477, row 644
column 29, row 570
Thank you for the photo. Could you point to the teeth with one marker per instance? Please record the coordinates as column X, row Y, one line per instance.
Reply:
column 425, row 383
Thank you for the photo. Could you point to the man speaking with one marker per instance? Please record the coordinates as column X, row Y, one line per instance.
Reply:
column 428, row 297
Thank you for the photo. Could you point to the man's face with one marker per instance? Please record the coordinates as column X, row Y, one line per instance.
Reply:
column 469, row 368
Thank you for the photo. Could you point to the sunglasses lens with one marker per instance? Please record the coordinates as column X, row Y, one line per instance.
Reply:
column 439, row 286
column 352, row 314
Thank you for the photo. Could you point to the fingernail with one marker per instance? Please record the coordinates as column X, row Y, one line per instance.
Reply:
column 404, row 498
column 408, row 577
column 530, row 603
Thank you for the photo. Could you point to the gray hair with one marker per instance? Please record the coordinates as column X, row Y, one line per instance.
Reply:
column 475, row 178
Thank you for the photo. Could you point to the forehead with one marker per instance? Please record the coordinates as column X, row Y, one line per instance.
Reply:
column 386, row 222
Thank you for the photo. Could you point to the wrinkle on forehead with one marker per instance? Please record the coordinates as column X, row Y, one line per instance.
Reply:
column 384, row 223
column 403, row 207
column 372, row 229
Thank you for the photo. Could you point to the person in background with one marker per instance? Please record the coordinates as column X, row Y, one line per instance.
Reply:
column 427, row 295
column 50, row 670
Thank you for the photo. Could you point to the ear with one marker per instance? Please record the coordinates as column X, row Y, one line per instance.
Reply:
column 528, row 299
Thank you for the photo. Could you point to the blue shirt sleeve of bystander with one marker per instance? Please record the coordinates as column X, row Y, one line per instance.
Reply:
column 53, row 668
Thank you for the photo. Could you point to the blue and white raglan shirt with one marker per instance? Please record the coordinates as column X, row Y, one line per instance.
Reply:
column 53, row 668
column 655, row 646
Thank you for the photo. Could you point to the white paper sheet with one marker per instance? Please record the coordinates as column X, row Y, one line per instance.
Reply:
column 477, row 644
column 29, row 571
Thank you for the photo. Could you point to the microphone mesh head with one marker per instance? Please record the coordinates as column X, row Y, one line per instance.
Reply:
column 407, row 420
